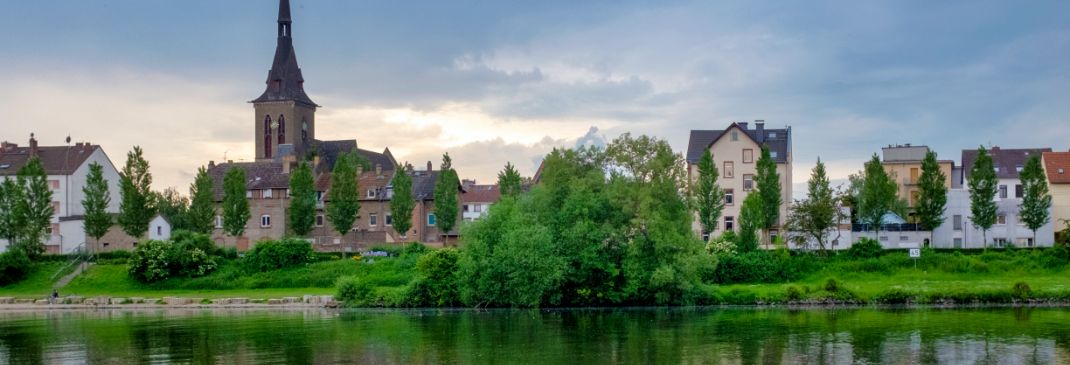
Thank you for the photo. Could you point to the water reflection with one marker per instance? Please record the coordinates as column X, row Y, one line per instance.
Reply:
column 687, row 336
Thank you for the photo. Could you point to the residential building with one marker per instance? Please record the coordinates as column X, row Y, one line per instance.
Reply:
column 1009, row 228
column 1057, row 170
column 285, row 135
column 67, row 168
column 736, row 150
column 903, row 163
column 477, row 199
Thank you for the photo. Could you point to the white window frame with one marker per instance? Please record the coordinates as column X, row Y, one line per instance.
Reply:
column 265, row 221
column 218, row 221
column 389, row 220
column 370, row 194
column 373, row 220
column 745, row 179
column 266, row 193
column 248, row 194
column 729, row 197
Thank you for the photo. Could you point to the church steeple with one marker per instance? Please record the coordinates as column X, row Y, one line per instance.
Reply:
column 285, row 117
column 284, row 82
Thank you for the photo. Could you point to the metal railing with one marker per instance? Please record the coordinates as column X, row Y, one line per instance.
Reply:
column 893, row 227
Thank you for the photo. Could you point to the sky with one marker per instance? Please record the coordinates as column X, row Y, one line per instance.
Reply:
column 492, row 82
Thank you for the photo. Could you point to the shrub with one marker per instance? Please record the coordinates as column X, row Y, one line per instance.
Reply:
column 157, row 260
column 1021, row 290
column 436, row 280
column 894, row 296
column 865, row 248
column 14, row 266
column 195, row 240
column 793, row 293
column 763, row 267
column 831, row 285
column 273, row 255
column 353, row 291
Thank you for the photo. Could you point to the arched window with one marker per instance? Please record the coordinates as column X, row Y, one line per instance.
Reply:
column 267, row 136
column 304, row 131
column 282, row 129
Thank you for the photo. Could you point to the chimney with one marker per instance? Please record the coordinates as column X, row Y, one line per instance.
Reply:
column 742, row 125
column 288, row 162
column 33, row 146
column 408, row 167
column 428, row 166
column 211, row 164
column 759, row 124
column 378, row 169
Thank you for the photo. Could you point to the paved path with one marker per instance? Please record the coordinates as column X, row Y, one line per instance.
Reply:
column 62, row 282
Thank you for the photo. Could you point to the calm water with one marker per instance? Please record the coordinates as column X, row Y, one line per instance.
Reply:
column 670, row 336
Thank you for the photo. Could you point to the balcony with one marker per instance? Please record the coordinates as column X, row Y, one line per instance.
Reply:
column 892, row 227
column 910, row 181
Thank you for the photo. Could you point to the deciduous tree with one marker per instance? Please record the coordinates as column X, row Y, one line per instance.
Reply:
column 96, row 201
column 402, row 203
column 136, row 208
column 302, row 200
column 34, row 209
column 769, row 189
column 509, row 181
column 982, row 185
column 932, row 195
column 235, row 204
column 708, row 196
column 877, row 195
column 202, row 203
column 1036, row 200
column 446, row 199
column 818, row 214
column 343, row 203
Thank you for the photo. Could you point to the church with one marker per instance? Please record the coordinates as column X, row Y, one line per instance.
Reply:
column 284, row 130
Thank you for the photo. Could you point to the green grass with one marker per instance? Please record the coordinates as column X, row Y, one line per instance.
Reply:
column 38, row 283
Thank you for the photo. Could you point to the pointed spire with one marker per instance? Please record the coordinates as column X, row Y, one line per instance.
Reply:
column 284, row 81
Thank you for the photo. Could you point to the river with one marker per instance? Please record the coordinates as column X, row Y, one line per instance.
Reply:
column 604, row 336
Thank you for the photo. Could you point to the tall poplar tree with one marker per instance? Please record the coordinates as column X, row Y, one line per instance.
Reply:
column 509, row 181
column 446, row 199
column 768, row 181
column 302, row 200
column 343, row 204
column 816, row 215
column 1036, row 200
column 932, row 195
column 751, row 218
column 136, row 207
column 34, row 209
column 709, row 197
column 877, row 195
column 96, row 201
column 235, row 204
column 201, row 203
column 10, row 194
column 402, row 202
column 982, row 187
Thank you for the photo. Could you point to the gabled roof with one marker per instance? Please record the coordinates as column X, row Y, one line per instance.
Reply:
column 777, row 140
column 1057, row 167
column 57, row 160
column 481, row 194
column 1006, row 160
column 258, row 175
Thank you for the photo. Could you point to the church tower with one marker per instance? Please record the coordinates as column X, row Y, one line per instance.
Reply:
column 285, row 115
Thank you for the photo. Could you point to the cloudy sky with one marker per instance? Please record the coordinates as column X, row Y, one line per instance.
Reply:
column 500, row 81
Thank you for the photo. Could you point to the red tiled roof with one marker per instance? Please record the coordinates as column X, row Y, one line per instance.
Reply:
column 1057, row 165
column 481, row 194
column 57, row 160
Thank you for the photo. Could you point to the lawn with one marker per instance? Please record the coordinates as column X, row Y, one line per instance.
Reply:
column 38, row 283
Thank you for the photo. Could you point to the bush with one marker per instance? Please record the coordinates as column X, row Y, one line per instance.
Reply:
column 436, row 280
column 353, row 291
column 1021, row 290
column 273, row 255
column 157, row 260
column 793, row 293
column 831, row 285
column 14, row 266
column 865, row 248
column 894, row 296
column 763, row 267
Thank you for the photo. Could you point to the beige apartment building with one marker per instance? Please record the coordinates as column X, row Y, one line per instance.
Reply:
column 736, row 150
column 903, row 164
column 1057, row 169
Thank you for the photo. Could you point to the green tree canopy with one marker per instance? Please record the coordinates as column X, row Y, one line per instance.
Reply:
column 302, row 200
column 878, row 194
column 173, row 206
column 751, row 217
column 982, row 185
column 509, row 181
column 96, row 201
column 932, row 195
column 816, row 215
column 402, row 202
column 11, row 193
column 202, row 203
column 235, row 204
column 136, row 207
column 447, row 202
column 1036, row 200
column 708, row 196
column 34, row 209
column 769, row 189
column 343, row 203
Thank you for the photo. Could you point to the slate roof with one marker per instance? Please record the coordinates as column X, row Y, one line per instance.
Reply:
column 258, row 175
column 57, row 160
column 284, row 81
column 702, row 139
column 423, row 185
column 1057, row 166
column 481, row 194
column 1006, row 159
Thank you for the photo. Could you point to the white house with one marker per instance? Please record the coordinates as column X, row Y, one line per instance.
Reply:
column 159, row 228
column 477, row 199
column 67, row 168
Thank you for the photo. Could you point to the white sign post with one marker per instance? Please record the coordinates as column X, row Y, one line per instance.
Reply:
column 915, row 253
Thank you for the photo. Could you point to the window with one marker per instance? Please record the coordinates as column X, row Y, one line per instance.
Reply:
column 431, row 219
column 903, row 238
column 772, row 135
column 319, row 220
column 373, row 220
column 159, row 230
column 729, row 169
column 55, row 208
column 218, row 221
column 748, row 182
column 479, row 208
column 53, row 184
column 735, row 135
column 371, row 193
column 1001, row 219
column 267, row 136
column 729, row 223
column 957, row 222
column 884, row 238
column 1018, row 191
column 1003, row 191
column 53, row 228
column 266, row 193
column 265, row 221
column 772, row 154
column 282, row 129
column 748, row 155
column 958, row 242
column 464, row 208
column 249, row 194
column 304, row 130
column 729, row 196
column 389, row 220
column 1018, row 168
column 1000, row 242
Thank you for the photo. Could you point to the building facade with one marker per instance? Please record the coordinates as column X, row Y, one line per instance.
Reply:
column 736, row 150
column 67, row 168
column 1057, row 170
column 903, row 163
column 477, row 199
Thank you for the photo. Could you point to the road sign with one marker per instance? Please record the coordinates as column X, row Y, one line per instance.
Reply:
column 915, row 253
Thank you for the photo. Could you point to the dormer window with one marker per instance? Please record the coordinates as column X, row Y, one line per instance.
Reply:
column 772, row 134
column 371, row 193
column 735, row 135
